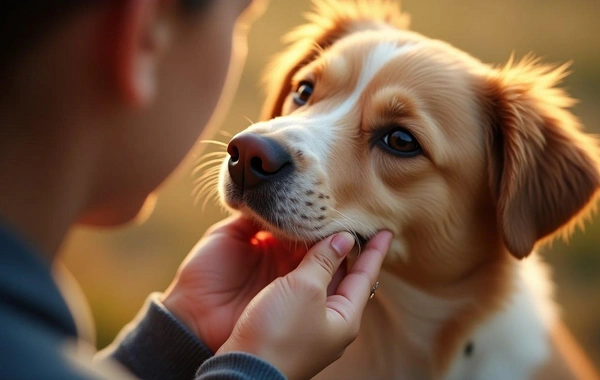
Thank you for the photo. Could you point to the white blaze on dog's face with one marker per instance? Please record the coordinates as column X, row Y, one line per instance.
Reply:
column 387, row 129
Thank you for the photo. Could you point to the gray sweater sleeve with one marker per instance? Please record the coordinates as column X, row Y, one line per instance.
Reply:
column 155, row 345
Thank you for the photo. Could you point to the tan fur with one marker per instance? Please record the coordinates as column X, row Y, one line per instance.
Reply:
column 330, row 20
column 504, row 165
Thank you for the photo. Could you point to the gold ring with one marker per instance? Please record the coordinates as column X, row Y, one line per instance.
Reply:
column 374, row 289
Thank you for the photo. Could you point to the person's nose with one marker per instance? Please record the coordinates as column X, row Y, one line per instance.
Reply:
column 256, row 159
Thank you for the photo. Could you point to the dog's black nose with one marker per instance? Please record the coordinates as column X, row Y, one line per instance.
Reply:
column 256, row 159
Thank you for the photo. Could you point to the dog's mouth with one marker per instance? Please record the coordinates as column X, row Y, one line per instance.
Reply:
column 302, row 234
column 360, row 239
column 296, row 214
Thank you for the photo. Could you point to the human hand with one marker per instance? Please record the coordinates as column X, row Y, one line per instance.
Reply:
column 294, row 324
column 222, row 274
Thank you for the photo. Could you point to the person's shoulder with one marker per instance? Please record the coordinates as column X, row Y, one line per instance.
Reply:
column 30, row 349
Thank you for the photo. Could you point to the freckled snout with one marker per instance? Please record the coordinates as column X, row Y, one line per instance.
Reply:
column 256, row 160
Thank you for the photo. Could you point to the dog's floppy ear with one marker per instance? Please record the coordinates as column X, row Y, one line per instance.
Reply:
column 329, row 21
column 544, row 172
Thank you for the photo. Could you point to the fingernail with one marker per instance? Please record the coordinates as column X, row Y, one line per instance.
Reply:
column 387, row 234
column 342, row 243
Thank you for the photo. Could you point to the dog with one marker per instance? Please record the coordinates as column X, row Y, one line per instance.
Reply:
column 370, row 126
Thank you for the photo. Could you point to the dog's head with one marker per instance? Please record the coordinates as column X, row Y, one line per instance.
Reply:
column 369, row 126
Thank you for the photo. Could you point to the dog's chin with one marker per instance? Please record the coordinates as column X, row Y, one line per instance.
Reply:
column 295, row 236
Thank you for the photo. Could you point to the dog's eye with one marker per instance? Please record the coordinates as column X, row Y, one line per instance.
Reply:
column 303, row 93
column 401, row 142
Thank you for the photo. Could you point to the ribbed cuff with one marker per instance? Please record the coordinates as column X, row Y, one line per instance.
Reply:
column 238, row 366
column 157, row 346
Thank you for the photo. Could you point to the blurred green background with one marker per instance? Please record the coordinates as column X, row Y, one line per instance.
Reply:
column 118, row 269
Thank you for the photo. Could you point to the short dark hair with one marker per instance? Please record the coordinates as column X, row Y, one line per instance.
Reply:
column 25, row 22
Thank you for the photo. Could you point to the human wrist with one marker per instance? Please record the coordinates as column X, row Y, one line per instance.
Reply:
column 239, row 365
column 262, row 350
column 157, row 345
column 174, row 302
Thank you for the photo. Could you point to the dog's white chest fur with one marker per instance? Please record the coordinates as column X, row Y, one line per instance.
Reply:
column 399, row 329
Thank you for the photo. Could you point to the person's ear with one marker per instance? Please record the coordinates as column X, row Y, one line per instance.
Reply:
column 140, row 39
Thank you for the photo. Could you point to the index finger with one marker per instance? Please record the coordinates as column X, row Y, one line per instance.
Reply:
column 357, row 285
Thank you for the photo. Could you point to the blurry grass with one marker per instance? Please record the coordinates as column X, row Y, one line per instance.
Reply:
column 118, row 269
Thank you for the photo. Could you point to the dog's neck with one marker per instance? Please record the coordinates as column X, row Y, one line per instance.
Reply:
column 432, row 333
column 446, row 310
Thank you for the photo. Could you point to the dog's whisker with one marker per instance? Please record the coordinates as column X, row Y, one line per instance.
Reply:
column 201, row 169
column 370, row 230
column 209, row 155
column 214, row 142
column 200, row 191
column 207, row 163
column 213, row 167
column 344, row 217
column 200, row 184
column 197, row 192
column 209, row 185
column 214, row 172
column 225, row 133
column 348, row 229
column 248, row 119
column 211, row 194
column 346, row 226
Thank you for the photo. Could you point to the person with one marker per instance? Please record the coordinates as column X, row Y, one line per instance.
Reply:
column 100, row 101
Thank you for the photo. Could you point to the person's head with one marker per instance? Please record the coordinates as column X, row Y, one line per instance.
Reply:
column 133, row 81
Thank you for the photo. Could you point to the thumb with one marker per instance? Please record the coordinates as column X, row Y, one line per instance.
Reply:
column 323, row 260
